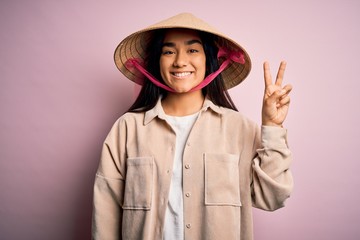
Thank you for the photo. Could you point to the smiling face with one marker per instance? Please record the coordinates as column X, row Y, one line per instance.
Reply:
column 182, row 60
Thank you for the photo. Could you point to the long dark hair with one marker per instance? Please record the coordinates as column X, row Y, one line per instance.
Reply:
column 150, row 93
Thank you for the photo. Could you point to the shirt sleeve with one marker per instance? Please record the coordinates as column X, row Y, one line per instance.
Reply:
column 109, row 187
column 272, row 179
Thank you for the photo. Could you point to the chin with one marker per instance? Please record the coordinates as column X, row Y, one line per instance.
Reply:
column 181, row 89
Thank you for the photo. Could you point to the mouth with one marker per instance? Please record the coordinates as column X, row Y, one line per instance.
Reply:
column 181, row 74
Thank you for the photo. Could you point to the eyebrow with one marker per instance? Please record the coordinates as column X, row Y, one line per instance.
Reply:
column 189, row 42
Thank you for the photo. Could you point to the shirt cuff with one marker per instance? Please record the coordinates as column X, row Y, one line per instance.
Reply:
column 273, row 137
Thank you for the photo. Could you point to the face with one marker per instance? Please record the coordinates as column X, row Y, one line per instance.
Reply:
column 182, row 60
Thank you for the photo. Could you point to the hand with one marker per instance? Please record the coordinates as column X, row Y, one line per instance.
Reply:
column 276, row 98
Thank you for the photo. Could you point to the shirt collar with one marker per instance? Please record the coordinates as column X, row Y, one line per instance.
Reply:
column 158, row 111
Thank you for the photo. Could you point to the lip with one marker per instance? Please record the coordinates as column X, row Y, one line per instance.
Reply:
column 181, row 74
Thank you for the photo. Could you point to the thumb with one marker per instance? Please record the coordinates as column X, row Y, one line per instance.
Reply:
column 275, row 97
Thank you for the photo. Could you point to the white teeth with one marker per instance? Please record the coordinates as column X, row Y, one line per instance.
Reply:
column 182, row 74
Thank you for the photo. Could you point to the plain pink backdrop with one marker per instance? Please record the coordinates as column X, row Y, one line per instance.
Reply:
column 60, row 93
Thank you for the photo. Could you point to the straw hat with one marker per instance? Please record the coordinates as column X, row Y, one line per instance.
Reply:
column 133, row 47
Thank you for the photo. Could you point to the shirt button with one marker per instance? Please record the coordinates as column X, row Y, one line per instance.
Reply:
column 188, row 225
column 188, row 194
column 187, row 166
column 188, row 144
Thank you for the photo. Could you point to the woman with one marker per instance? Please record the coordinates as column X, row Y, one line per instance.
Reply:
column 182, row 163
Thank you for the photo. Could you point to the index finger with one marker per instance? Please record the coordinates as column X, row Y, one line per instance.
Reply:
column 280, row 74
column 267, row 74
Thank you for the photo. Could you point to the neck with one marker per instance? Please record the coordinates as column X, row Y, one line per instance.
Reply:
column 183, row 104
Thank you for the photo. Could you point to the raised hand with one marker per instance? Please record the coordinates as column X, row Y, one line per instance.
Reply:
column 276, row 97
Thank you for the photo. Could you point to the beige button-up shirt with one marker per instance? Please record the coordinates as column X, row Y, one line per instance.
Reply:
column 228, row 167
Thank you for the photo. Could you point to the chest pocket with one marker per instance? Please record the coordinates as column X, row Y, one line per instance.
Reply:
column 139, row 183
column 222, row 186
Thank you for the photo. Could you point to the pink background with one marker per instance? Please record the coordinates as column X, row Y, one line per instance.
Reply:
column 60, row 93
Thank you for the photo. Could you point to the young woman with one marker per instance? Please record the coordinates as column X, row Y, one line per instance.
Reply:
column 183, row 163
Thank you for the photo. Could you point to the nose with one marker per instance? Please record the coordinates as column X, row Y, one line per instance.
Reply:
column 181, row 59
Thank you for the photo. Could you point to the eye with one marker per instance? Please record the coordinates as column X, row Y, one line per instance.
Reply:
column 193, row 50
column 167, row 52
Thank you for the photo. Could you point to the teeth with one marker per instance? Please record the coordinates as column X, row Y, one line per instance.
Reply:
column 182, row 74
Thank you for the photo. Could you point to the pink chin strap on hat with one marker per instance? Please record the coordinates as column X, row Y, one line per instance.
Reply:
column 230, row 56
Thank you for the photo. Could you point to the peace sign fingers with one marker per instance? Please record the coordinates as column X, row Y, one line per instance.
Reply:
column 279, row 77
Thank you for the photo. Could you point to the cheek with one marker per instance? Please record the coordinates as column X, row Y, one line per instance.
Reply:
column 165, row 63
column 164, row 70
column 162, row 66
column 202, row 65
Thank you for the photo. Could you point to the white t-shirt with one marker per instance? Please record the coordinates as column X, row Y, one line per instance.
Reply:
column 174, row 217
